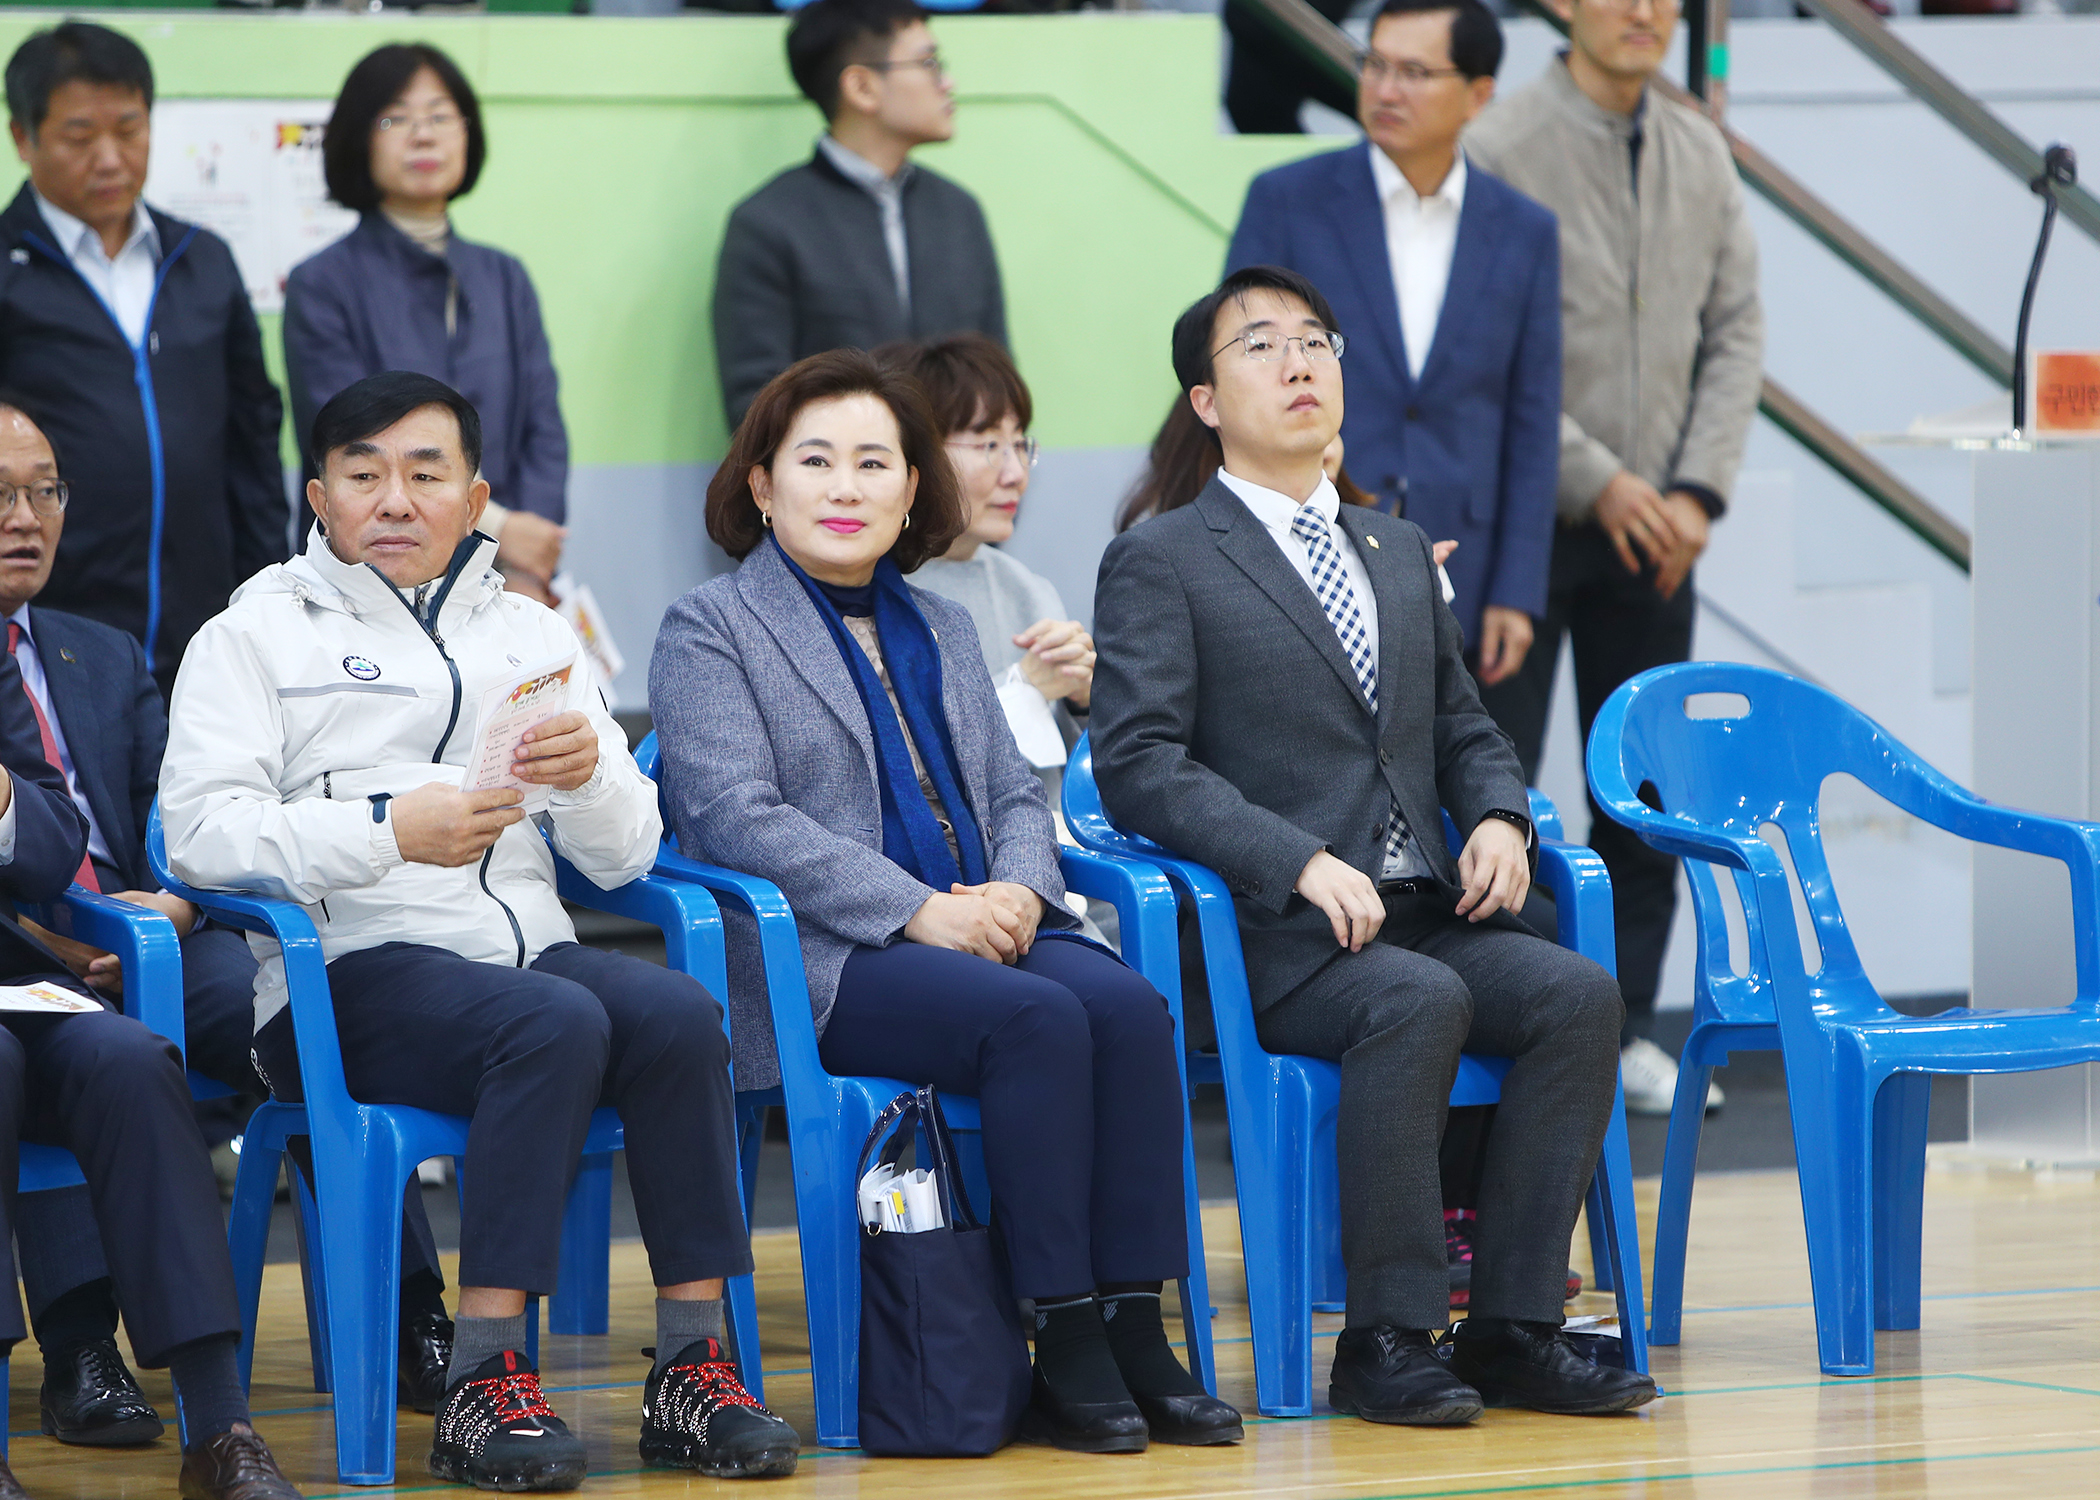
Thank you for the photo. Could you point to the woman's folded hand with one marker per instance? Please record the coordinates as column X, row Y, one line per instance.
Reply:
column 969, row 922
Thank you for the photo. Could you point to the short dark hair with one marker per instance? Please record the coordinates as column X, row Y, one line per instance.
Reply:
column 13, row 399
column 829, row 36
column 939, row 514
column 1193, row 354
column 377, row 81
column 377, row 402
column 969, row 380
column 72, row 52
column 1476, row 36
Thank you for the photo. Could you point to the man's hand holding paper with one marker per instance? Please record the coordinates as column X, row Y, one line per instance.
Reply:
column 561, row 753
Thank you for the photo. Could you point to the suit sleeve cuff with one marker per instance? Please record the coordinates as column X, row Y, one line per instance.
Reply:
column 1709, row 498
column 7, row 824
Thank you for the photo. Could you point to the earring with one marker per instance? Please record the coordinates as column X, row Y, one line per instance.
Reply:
column 907, row 520
column 765, row 519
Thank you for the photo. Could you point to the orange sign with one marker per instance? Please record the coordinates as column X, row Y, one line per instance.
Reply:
column 2067, row 392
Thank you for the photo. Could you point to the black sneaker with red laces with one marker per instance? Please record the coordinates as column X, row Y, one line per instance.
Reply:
column 1458, row 1256
column 696, row 1414
column 496, row 1431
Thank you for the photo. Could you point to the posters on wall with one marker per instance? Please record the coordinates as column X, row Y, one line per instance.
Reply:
column 249, row 170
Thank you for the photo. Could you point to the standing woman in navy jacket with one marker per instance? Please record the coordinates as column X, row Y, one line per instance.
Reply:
column 834, row 730
column 403, row 292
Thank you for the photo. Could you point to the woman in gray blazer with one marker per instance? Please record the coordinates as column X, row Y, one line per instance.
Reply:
column 834, row 730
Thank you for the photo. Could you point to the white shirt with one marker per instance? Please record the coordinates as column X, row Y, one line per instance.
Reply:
column 1276, row 511
column 124, row 284
column 33, row 678
column 888, row 193
column 1420, row 236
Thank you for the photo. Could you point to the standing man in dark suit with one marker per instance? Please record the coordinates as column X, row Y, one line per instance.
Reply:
column 1280, row 694
column 1450, row 279
column 136, row 329
column 106, row 1087
column 105, row 729
column 858, row 245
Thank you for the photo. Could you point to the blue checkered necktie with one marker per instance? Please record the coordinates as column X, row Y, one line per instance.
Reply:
column 1331, row 586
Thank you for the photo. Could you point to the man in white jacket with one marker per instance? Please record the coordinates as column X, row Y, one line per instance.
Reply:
column 317, row 739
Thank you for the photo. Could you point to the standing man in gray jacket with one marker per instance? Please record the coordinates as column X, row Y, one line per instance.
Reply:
column 1281, row 694
column 1662, row 344
column 858, row 245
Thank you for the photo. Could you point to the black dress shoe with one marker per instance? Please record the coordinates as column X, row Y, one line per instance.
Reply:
column 1388, row 1374
column 10, row 1487
column 1082, row 1426
column 89, row 1397
column 1533, row 1364
column 1199, row 1421
column 426, row 1358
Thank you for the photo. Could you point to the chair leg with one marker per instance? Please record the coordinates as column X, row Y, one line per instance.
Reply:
column 1673, row 1215
column 1273, row 1165
column 742, row 1293
column 1195, row 1287
column 1330, row 1279
column 1902, row 1111
column 825, row 1148
column 1611, row 1202
column 1833, row 1151
column 248, row 1240
column 581, row 1302
column 306, row 1228
column 1601, row 1278
column 360, row 1220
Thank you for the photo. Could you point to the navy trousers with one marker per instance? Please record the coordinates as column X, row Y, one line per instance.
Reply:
column 113, row 1093
column 1070, row 1055
column 529, row 1053
column 59, row 1244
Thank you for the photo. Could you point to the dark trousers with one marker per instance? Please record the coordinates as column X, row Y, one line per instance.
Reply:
column 1396, row 1016
column 56, row 1237
column 529, row 1053
column 1071, row 1057
column 113, row 1093
column 1619, row 627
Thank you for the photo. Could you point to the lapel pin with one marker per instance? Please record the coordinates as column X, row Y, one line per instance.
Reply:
column 64, row 654
column 1371, row 539
column 19, row 257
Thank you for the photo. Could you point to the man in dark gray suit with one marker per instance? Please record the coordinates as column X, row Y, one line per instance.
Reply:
column 857, row 246
column 1281, row 694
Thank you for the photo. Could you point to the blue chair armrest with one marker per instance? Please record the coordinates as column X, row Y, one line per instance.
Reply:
column 1581, row 890
column 1145, row 907
column 144, row 942
column 686, row 914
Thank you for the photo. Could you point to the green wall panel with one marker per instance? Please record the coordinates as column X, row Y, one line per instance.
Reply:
column 618, row 147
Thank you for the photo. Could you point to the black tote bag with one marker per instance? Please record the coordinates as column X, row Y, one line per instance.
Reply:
column 944, row 1368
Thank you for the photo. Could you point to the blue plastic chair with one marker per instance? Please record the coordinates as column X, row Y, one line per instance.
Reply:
column 145, row 944
column 1858, row 1073
column 364, row 1154
column 829, row 1115
column 1283, row 1107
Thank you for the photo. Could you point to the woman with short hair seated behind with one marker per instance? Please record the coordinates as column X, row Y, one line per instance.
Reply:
column 828, row 727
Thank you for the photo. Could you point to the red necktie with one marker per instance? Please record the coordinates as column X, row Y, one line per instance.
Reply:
column 86, row 876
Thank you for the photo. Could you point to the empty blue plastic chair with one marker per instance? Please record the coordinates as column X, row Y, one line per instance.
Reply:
column 1858, row 1073
column 829, row 1115
column 145, row 944
column 364, row 1154
column 1282, row 1110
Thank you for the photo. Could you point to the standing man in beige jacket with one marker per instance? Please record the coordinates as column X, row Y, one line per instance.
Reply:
column 1662, row 340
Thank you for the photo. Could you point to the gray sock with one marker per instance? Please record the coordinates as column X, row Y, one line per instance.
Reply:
column 478, row 1340
column 679, row 1325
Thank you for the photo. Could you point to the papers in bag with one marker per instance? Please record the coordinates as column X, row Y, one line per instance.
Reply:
column 47, row 998
column 894, row 1204
column 508, row 710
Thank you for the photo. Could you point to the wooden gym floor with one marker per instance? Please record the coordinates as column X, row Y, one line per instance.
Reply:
column 1999, row 1394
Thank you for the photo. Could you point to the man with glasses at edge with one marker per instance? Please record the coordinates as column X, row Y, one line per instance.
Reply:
column 1280, row 694
column 1662, row 360
column 858, row 246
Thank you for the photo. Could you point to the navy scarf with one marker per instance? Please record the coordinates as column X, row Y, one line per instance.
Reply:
column 911, row 834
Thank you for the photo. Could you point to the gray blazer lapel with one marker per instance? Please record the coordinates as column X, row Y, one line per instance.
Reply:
column 1248, row 543
column 1398, row 585
column 777, row 597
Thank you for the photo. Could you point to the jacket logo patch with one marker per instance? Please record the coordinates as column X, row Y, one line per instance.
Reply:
column 358, row 667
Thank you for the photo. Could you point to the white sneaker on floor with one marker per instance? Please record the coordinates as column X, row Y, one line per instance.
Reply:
column 1650, row 1076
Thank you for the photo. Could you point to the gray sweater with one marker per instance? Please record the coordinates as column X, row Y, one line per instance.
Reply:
column 1662, row 336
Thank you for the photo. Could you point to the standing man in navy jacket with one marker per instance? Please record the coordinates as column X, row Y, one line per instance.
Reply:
column 1448, row 280
column 136, row 332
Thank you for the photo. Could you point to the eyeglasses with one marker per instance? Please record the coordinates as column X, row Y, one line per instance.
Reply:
column 47, row 497
column 1267, row 347
column 437, row 122
column 931, row 62
column 991, row 452
column 1380, row 70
